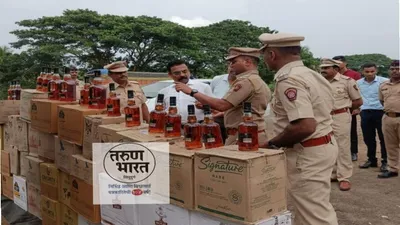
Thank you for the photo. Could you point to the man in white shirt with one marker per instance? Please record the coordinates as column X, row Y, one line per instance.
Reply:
column 179, row 72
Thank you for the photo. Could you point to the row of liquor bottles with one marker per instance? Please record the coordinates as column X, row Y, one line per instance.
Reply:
column 14, row 91
column 196, row 134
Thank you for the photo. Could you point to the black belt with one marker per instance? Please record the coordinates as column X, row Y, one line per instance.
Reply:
column 392, row 114
column 372, row 110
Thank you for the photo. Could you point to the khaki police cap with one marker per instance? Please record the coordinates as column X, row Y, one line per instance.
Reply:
column 280, row 40
column 116, row 67
column 329, row 62
column 236, row 51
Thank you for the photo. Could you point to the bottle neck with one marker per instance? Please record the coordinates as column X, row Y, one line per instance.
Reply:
column 131, row 101
column 208, row 118
column 247, row 117
column 113, row 94
column 192, row 118
column 159, row 107
column 172, row 110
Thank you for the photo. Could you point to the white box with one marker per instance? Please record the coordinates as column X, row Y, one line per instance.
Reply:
column 162, row 214
column 20, row 192
column 198, row 218
column 119, row 214
column 83, row 221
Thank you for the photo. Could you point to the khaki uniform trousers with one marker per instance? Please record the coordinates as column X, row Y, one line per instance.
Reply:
column 391, row 134
column 343, row 169
column 309, row 185
column 232, row 139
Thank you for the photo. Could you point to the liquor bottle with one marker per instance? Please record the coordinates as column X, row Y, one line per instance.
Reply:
column 10, row 90
column 211, row 131
column 85, row 92
column 97, row 93
column 157, row 116
column 17, row 91
column 46, row 80
column 39, row 79
column 113, row 102
column 173, row 120
column 248, row 131
column 192, row 130
column 132, row 111
column 68, row 89
column 54, row 86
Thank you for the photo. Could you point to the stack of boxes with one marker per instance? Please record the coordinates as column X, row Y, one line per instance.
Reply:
column 47, row 168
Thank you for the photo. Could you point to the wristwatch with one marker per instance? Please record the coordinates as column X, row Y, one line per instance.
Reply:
column 272, row 146
column 194, row 91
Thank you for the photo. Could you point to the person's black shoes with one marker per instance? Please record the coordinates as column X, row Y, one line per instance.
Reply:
column 384, row 167
column 368, row 164
column 354, row 157
column 388, row 174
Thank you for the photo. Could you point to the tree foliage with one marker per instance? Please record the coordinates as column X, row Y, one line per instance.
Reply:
column 382, row 61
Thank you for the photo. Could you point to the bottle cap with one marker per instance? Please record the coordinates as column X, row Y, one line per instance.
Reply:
column 130, row 94
column 191, row 109
column 87, row 79
column 160, row 98
column 112, row 86
column 207, row 109
column 172, row 101
column 97, row 73
column 247, row 107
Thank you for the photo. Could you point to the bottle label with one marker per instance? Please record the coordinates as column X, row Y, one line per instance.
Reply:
column 208, row 138
column 153, row 123
column 109, row 107
column 128, row 117
column 188, row 137
column 169, row 127
column 245, row 138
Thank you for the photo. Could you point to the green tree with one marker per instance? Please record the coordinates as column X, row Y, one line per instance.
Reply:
column 382, row 61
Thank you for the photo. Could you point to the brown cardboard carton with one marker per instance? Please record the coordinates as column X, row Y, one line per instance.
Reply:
column 82, row 168
column 44, row 116
column 82, row 200
column 240, row 186
column 91, row 133
column 24, row 164
column 7, row 186
column 64, row 192
column 64, row 151
column 2, row 136
column 181, row 184
column 8, row 108
column 33, row 141
column 5, row 163
column 9, row 132
column 41, row 144
column 69, row 131
column 50, row 211
column 21, row 135
column 34, row 200
column 25, row 106
column 68, row 216
column 33, row 176
column 49, row 180
column 143, row 135
column 15, row 160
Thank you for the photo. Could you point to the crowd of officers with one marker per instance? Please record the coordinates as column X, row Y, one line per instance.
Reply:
column 312, row 114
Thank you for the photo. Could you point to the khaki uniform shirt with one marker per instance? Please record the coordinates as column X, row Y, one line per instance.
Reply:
column 122, row 93
column 248, row 86
column 302, row 93
column 345, row 91
column 389, row 93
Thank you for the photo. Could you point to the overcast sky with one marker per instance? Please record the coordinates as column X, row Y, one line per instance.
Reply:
column 330, row 27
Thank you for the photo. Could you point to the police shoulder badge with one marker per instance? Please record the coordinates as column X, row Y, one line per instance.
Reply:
column 291, row 94
column 355, row 87
column 237, row 87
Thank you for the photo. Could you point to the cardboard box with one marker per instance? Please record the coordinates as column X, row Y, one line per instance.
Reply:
column 240, row 186
column 63, row 152
column 83, row 221
column 143, row 135
column 21, row 135
column 73, row 132
column 197, row 218
column 20, row 192
column 68, row 216
column 2, row 136
column 50, row 211
column 44, row 116
column 162, row 214
column 8, row 108
column 91, row 133
column 41, row 144
column 119, row 214
column 24, row 164
column 34, row 200
column 25, row 106
column 82, row 200
column 181, row 184
column 9, row 132
column 15, row 160
column 34, row 171
column 7, row 186
column 82, row 168
column 49, row 180
column 64, row 190
column 5, row 163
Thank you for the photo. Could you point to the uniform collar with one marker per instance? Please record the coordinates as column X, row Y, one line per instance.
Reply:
column 246, row 73
column 286, row 68
column 225, row 77
column 337, row 77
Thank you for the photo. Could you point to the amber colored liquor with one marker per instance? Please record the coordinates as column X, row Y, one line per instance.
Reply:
column 17, row 91
column 85, row 92
column 39, row 81
column 46, row 81
column 173, row 121
column 113, row 102
column 10, row 90
column 247, row 131
column 158, row 116
column 132, row 111
column 54, row 87
column 192, row 130
column 67, row 89
column 211, row 131
column 97, row 93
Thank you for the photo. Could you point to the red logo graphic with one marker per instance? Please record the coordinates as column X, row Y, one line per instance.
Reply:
column 137, row 192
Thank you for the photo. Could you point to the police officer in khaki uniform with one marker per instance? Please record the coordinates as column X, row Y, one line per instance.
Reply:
column 118, row 73
column 302, row 105
column 248, row 87
column 347, row 96
column 389, row 95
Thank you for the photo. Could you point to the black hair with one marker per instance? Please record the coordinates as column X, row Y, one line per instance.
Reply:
column 175, row 63
column 340, row 58
column 368, row 65
column 291, row 50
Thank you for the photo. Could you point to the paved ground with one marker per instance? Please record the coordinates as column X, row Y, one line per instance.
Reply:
column 371, row 201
